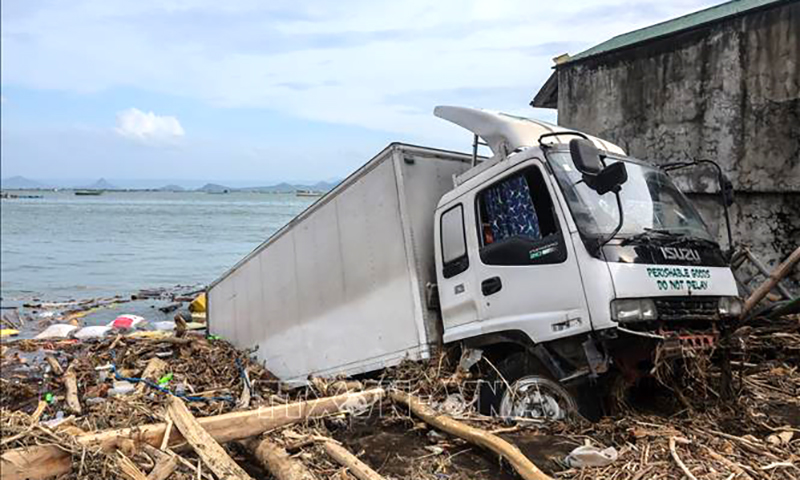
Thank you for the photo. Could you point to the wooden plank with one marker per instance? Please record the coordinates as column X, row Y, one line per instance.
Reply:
column 43, row 461
column 213, row 455
column 522, row 465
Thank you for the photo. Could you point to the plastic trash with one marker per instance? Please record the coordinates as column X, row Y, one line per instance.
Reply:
column 59, row 330
column 8, row 332
column 56, row 421
column 198, row 304
column 121, row 387
column 91, row 332
column 195, row 326
column 165, row 379
column 150, row 334
column 590, row 456
column 163, row 326
column 124, row 322
column 49, row 398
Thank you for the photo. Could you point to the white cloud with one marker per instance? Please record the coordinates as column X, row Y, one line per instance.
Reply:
column 379, row 65
column 148, row 127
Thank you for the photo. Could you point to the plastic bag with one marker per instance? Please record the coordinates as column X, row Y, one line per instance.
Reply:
column 91, row 332
column 124, row 322
column 590, row 456
column 59, row 330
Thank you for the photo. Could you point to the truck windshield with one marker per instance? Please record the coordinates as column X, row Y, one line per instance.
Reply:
column 650, row 202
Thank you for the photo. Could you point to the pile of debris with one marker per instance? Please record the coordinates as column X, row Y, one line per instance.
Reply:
column 191, row 406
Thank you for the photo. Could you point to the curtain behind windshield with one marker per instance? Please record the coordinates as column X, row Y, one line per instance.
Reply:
column 510, row 209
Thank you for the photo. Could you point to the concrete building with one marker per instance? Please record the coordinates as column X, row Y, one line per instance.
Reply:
column 720, row 84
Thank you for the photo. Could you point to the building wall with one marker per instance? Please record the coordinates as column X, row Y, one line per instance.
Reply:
column 729, row 92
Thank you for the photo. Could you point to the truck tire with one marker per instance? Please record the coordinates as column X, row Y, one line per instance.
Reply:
column 533, row 393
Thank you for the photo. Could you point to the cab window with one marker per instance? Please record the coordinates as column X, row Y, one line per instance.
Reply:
column 454, row 242
column 517, row 222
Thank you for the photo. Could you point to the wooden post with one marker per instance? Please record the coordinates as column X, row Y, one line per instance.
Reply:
column 776, row 276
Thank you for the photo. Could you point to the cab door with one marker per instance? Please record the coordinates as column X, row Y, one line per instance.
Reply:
column 526, row 272
column 458, row 295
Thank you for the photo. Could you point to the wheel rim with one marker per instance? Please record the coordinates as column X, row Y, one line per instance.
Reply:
column 537, row 397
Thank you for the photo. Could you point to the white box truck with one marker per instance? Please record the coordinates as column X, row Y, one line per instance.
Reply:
column 559, row 257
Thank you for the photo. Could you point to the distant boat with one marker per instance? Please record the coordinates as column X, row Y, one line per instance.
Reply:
column 88, row 192
column 308, row 193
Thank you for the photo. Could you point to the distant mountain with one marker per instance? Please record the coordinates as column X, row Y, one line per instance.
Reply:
column 20, row 183
column 215, row 188
column 285, row 187
column 172, row 188
column 101, row 184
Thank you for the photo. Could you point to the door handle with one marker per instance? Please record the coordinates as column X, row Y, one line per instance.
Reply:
column 491, row 285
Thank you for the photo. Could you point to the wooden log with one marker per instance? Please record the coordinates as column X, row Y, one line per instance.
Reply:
column 43, row 461
column 359, row 469
column 521, row 464
column 776, row 276
column 213, row 455
column 71, row 385
column 278, row 461
column 155, row 368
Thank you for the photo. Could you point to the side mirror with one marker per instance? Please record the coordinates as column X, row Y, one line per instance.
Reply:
column 609, row 179
column 585, row 156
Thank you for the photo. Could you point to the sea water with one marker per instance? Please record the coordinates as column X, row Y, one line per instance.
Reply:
column 64, row 246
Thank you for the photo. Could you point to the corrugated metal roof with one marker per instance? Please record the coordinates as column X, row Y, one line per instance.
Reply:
column 675, row 25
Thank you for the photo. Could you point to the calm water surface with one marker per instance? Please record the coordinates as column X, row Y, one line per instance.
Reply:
column 65, row 246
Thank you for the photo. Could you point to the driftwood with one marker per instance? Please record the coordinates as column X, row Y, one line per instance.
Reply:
column 776, row 276
column 275, row 459
column 524, row 467
column 154, row 368
column 54, row 365
column 71, row 385
column 213, row 455
column 359, row 469
column 43, row 461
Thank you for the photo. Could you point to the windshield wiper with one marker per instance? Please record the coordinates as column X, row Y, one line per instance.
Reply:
column 687, row 239
column 652, row 233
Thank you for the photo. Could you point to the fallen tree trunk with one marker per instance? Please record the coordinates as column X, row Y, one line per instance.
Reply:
column 524, row 467
column 277, row 460
column 776, row 276
column 213, row 455
column 359, row 469
column 43, row 461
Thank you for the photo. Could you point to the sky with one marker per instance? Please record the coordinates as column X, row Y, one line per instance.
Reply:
column 253, row 91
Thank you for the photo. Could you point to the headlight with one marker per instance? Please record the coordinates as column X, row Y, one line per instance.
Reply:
column 633, row 310
column 730, row 306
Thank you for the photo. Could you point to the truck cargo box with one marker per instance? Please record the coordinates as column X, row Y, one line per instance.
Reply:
column 342, row 287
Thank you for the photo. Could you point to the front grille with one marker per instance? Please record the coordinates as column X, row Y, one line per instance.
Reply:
column 683, row 308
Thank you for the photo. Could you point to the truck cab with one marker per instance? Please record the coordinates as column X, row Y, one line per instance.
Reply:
column 561, row 282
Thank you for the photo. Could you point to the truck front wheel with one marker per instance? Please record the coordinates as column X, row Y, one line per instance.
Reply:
column 521, row 387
